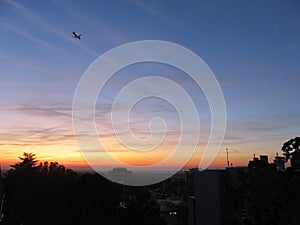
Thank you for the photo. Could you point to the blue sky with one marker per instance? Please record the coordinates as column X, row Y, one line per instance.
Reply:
column 251, row 46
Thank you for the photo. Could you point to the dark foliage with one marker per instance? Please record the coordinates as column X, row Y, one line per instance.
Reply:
column 268, row 197
column 49, row 193
column 291, row 150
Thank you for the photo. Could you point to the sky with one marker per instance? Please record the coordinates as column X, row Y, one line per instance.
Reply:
column 252, row 47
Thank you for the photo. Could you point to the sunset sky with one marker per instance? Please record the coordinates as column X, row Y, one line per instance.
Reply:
column 253, row 48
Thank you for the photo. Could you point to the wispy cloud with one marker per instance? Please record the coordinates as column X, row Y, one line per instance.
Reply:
column 42, row 24
column 155, row 9
column 44, row 112
column 39, row 136
column 19, row 30
column 100, row 28
column 27, row 63
column 158, row 9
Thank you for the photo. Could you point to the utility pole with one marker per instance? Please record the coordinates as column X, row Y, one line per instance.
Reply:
column 227, row 157
column 1, row 209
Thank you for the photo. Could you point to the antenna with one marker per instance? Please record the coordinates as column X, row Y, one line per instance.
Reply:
column 227, row 157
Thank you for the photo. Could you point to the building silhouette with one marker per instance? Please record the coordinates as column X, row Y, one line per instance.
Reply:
column 208, row 203
column 262, row 161
column 279, row 163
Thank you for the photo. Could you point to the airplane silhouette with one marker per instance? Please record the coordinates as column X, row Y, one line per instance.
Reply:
column 76, row 35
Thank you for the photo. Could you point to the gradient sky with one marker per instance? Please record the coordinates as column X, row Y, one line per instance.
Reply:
column 253, row 48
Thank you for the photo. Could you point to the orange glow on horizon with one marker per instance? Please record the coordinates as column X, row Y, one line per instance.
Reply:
column 68, row 156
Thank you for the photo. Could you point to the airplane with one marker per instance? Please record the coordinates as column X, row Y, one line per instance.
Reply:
column 76, row 35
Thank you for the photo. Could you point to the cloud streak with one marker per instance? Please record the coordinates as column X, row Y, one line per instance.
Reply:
column 33, row 18
column 19, row 30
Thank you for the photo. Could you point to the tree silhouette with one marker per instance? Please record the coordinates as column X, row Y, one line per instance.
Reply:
column 48, row 193
column 28, row 161
column 291, row 150
column 266, row 196
column 37, row 194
